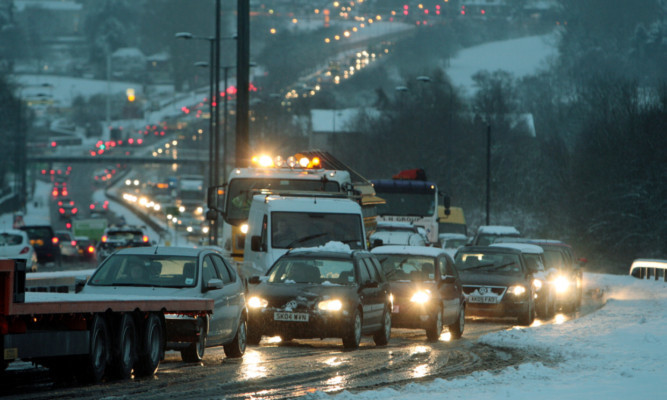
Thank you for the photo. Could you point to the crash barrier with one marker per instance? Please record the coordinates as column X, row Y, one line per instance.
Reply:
column 649, row 269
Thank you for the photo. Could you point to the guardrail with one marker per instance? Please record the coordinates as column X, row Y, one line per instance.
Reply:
column 650, row 269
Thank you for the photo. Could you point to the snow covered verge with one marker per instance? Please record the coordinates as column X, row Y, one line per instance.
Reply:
column 616, row 352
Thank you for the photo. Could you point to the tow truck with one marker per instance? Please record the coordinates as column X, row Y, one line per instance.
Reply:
column 301, row 173
column 89, row 336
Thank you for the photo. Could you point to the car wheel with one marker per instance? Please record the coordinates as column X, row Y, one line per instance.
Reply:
column 151, row 347
column 456, row 329
column 236, row 348
column 528, row 316
column 125, row 348
column 381, row 338
column 353, row 337
column 434, row 327
column 195, row 351
column 93, row 367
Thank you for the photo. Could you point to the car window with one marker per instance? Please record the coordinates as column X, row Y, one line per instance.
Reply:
column 447, row 267
column 146, row 270
column 208, row 270
column 364, row 275
column 378, row 267
column 10, row 239
column 227, row 276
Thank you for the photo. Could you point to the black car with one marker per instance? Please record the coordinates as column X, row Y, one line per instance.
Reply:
column 496, row 282
column 426, row 288
column 45, row 242
column 121, row 237
column 321, row 293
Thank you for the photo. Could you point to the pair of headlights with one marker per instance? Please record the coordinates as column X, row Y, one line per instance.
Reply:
column 256, row 302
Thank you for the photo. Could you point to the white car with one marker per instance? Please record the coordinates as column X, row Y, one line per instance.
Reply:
column 15, row 243
column 397, row 233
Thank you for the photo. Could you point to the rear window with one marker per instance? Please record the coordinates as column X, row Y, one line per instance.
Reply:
column 43, row 233
column 10, row 239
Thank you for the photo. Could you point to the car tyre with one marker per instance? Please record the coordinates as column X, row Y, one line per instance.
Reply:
column 528, row 316
column 353, row 337
column 381, row 338
column 236, row 348
column 152, row 347
column 456, row 329
column 434, row 327
column 195, row 351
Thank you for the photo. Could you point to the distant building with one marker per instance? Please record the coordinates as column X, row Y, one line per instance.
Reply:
column 128, row 63
column 328, row 128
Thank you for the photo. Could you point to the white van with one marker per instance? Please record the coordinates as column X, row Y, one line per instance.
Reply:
column 277, row 223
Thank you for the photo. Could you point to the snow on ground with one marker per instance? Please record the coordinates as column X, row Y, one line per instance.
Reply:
column 618, row 352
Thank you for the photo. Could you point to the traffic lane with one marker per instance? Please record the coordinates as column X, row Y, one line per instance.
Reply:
column 276, row 370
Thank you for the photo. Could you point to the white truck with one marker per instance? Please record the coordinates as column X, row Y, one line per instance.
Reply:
column 277, row 223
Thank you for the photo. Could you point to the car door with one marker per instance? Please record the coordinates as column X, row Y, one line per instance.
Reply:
column 219, row 318
column 233, row 291
column 450, row 289
column 371, row 294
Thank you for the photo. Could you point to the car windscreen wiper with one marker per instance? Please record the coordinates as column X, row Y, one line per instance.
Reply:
column 478, row 267
column 305, row 239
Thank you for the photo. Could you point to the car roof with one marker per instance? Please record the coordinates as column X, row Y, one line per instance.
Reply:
column 488, row 249
column 498, row 230
column 524, row 247
column 164, row 251
column 411, row 250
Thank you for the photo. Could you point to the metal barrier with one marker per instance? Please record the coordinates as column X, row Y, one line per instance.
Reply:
column 650, row 269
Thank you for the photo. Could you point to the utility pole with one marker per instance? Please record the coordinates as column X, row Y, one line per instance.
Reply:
column 488, row 174
column 242, row 82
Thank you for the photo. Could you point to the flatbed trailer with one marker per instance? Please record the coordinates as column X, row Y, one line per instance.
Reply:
column 89, row 336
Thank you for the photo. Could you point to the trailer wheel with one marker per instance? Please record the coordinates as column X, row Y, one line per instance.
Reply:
column 94, row 364
column 125, row 348
column 195, row 351
column 152, row 349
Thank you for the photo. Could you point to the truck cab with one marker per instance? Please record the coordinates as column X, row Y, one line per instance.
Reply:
column 277, row 223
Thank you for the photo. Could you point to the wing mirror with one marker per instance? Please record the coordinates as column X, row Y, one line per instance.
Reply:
column 79, row 283
column 214, row 283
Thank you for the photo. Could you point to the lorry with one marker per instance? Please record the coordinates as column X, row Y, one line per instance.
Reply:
column 91, row 228
column 302, row 172
column 279, row 222
column 88, row 336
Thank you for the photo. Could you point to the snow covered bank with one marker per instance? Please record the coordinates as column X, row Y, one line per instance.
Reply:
column 617, row 352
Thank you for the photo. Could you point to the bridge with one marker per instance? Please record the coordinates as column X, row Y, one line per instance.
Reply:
column 114, row 159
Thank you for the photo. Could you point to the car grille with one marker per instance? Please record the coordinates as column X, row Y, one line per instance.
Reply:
column 497, row 290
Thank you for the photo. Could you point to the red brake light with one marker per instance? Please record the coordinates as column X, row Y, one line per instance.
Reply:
column 104, row 238
column 61, row 210
column 91, row 249
column 145, row 238
column 54, row 240
column 24, row 250
column 73, row 243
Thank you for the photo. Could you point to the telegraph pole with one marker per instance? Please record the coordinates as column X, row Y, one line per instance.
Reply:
column 242, row 158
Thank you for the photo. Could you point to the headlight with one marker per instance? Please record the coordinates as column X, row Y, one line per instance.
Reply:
column 537, row 284
column 562, row 284
column 330, row 305
column 421, row 297
column 244, row 228
column 517, row 290
column 257, row 302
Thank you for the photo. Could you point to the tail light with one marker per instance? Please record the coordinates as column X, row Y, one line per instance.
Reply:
column 73, row 243
column 75, row 210
column 91, row 249
column 68, row 225
column 104, row 238
column 145, row 238
column 24, row 250
column 54, row 240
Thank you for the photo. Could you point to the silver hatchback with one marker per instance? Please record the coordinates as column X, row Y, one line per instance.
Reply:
column 173, row 272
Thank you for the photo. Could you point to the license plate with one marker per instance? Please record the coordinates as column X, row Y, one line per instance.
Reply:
column 483, row 299
column 291, row 316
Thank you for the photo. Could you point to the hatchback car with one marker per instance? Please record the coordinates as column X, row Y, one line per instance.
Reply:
column 488, row 234
column 426, row 287
column 15, row 244
column 45, row 242
column 68, row 245
column 121, row 237
column 496, row 283
column 397, row 233
column 181, row 272
column 323, row 292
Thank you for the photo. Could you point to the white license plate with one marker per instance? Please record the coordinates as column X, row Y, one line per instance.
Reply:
column 291, row 316
column 483, row 299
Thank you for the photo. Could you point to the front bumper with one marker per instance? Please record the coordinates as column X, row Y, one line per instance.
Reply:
column 319, row 325
column 407, row 314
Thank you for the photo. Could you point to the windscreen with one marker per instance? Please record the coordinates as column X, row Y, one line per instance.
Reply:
column 313, row 270
column 295, row 229
column 403, row 267
column 146, row 270
column 241, row 190
column 407, row 204
column 482, row 263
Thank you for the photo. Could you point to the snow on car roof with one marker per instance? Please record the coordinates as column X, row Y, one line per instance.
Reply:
column 452, row 236
column 402, row 225
column 497, row 229
column 524, row 247
column 411, row 250
column 333, row 246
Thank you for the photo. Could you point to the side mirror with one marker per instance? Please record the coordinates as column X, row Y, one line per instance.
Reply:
column 377, row 243
column 256, row 243
column 254, row 280
column 370, row 284
column 212, row 284
column 79, row 283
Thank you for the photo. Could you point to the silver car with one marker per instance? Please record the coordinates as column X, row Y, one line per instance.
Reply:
column 181, row 272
